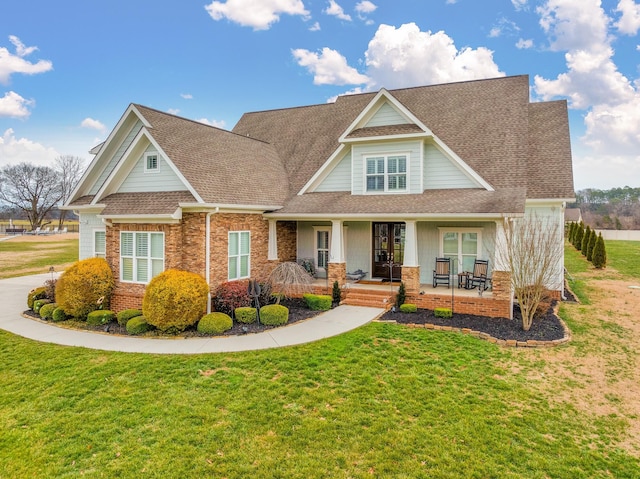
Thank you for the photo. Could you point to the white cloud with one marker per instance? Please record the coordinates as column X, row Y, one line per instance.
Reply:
column 329, row 67
column 257, row 14
column 13, row 105
column 504, row 27
column 216, row 123
column 11, row 64
column 519, row 4
column 173, row 111
column 365, row 7
column 629, row 22
column 336, row 10
column 315, row 27
column 495, row 32
column 186, row 96
column 523, row 44
column 17, row 150
column 93, row 124
column 406, row 56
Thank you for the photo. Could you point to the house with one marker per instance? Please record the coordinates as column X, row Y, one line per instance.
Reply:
column 380, row 182
column 572, row 215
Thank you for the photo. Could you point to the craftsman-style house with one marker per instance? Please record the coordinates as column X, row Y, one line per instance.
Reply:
column 375, row 183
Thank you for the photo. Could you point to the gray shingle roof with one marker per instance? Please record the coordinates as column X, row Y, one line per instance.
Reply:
column 155, row 203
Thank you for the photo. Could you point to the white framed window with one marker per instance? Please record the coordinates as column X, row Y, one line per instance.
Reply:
column 151, row 163
column 141, row 256
column 322, row 244
column 462, row 245
column 386, row 173
column 239, row 255
column 99, row 243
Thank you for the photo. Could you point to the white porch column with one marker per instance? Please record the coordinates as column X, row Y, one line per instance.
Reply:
column 410, row 244
column 336, row 253
column 272, row 254
column 501, row 252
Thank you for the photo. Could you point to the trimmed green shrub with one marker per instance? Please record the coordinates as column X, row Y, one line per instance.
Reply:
column 443, row 313
column 138, row 325
column 336, row 293
column 36, row 293
column 246, row 314
column 124, row 316
column 599, row 253
column 46, row 311
column 84, row 287
column 577, row 238
column 408, row 308
column 318, row 302
column 215, row 323
column 401, row 296
column 592, row 243
column 274, row 314
column 175, row 300
column 100, row 317
column 38, row 303
column 585, row 241
column 231, row 295
column 58, row 315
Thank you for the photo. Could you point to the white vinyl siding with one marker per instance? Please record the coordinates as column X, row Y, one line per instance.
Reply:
column 339, row 179
column 411, row 149
column 141, row 256
column 239, row 255
column 140, row 179
column 387, row 115
column 441, row 173
column 99, row 243
column 89, row 222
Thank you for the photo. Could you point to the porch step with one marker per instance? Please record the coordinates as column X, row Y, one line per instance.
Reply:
column 368, row 297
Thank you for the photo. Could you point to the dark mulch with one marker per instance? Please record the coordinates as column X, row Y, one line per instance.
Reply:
column 547, row 327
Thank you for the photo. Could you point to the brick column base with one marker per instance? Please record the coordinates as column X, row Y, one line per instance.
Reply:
column 501, row 285
column 337, row 272
column 411, row 279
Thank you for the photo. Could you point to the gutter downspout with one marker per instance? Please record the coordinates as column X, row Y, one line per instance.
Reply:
column 207, row 273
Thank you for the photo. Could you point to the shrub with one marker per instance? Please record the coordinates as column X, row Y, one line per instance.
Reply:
column 36, row 293
column 215, row 323
column 246, row 314
column 336, row 293
column 124, row 316
column 599, row 253
column 46, row 311
column 274, row 314
column 231, row 295
column 38, row 303
column 50, row 289
column 58, row 315
column 84, row 287
column 175, row 300
column 577, row 238
column 138, row 325
column 443, row 313
column 408, row 308
column 401, row 296
column 317, row 302
column 585, row 241
column 592, row 243
column 100, row 317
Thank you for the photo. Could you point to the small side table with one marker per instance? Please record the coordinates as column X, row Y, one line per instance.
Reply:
column 463, row 278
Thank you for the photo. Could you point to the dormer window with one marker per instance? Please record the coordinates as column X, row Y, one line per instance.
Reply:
column 151, row 163
column 386, row 174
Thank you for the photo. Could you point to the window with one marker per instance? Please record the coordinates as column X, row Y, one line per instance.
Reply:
column 322, row 248
column 141, row 256
column 386, row 173
column 462, row 246
column 239, row 253
column 99, row 244
column 151, row 163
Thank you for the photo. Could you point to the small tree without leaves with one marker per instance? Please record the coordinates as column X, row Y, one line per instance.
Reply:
column 70, row 170
column 599, row 253
column 289, row 279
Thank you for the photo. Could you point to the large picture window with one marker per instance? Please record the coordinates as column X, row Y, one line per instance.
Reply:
column 462, row 245
column 239, row 254
column 386, row 174
column 141, row 256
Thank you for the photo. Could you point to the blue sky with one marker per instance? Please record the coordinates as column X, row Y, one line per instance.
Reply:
column 69, row 68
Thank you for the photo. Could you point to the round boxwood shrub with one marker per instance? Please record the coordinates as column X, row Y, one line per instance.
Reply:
column 85, row 287
column 124, row 316
column 36, row 293
column 46, row 311
column 408, row 308
column 58, row 315
column 38, row 303
column 175, row 300
column 443, row 313
column 138, row 325
column 100, row 317
column 318, row 302
column 246, row 314
column 215, row 323
column 274, row 314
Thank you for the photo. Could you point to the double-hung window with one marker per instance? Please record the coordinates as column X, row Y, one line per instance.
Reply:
column 99, row 244
column 386, row 174
column 239, row 254
column 141, row 256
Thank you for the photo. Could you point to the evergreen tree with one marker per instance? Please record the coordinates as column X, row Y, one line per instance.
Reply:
column 592, row 243
column 577, row 239
column 599, row 253
column 585, row 241
column 572, row 228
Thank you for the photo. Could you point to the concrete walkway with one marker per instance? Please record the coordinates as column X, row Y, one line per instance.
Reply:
column 13, row 298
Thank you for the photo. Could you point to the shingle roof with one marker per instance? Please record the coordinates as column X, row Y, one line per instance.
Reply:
column 402, row 129
column 154, row 203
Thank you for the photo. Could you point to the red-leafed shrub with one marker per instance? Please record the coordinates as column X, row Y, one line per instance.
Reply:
column 231, row 295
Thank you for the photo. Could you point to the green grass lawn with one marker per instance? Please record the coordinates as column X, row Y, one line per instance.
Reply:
column 35, row 256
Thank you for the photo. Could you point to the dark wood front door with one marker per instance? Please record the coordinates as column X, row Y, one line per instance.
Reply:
column 388, row 250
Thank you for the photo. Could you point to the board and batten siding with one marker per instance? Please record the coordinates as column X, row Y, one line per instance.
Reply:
column 339, row 179
column 386, row 115
column 116, row 157
column 89, row 223
column 441, row 173
column 139, row 180
column 358, row 246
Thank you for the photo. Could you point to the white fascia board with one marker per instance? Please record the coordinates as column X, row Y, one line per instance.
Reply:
column 323, row 171
column 174, row 217
column 394, row 216
column 466, row 169
column 84, row 208
column 548, row 201
column 229, row 208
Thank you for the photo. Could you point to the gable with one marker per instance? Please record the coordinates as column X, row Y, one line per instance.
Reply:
column 440, row 173
column 386, row 115
column 141, row 179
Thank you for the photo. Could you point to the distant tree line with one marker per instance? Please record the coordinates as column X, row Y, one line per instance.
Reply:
column 617, row 208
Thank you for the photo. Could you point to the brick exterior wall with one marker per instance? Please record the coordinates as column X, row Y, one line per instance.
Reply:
column 337, row 272
column 411, row 279
column 480, row 306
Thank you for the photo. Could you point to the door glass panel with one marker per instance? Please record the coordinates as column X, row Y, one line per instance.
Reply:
column 398, row 243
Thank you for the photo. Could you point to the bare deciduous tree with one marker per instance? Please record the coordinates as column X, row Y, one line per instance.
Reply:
column 533, row 251
column 289, row 279
column 70, row 169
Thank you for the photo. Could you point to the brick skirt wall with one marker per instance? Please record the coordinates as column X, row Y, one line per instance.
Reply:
column 479, row 306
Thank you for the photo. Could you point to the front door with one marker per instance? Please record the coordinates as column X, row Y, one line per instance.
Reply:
column 388, row 250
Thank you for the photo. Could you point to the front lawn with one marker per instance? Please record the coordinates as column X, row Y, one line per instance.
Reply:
column 25, row 255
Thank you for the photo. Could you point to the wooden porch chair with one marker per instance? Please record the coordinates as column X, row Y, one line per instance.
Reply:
column 479, row 276
column 442, row 272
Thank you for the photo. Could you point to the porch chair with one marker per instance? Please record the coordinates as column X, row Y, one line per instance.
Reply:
column 479, row 276
column 442, row 272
